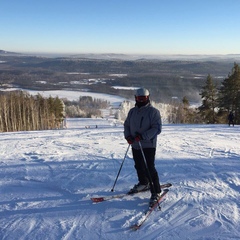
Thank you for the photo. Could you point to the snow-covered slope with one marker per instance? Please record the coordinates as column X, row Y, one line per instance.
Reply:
column 48, row 177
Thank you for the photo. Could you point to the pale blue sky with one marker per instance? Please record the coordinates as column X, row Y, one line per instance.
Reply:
column 121, row 26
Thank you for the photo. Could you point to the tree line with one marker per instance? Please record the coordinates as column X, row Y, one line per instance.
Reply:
column 20, row 111
column 219, row 101
column 85, row 107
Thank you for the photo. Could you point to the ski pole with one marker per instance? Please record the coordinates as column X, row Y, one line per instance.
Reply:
column 120, row 169
column 148, row 172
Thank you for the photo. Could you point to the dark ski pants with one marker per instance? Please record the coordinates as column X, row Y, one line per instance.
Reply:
column 143, row 176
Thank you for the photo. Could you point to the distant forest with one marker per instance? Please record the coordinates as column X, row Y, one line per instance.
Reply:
column 215, row 84
column 165, row 79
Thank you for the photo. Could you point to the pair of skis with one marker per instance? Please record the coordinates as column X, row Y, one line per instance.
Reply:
column 122, row 195
column 146, row 213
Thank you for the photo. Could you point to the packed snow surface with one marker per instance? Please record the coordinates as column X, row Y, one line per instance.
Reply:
column 48, row 177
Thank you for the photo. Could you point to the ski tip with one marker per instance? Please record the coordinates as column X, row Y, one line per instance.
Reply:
column 96, row 200
column 167, row 185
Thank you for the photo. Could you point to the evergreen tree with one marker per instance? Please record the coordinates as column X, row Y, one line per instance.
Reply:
column 209, row 101
column 229, row 99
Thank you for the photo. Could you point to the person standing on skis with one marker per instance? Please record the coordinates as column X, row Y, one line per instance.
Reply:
column 143, row 123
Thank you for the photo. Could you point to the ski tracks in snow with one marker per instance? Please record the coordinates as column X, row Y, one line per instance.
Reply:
column 48, row 177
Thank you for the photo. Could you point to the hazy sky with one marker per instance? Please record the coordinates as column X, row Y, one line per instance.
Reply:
column 121, row 26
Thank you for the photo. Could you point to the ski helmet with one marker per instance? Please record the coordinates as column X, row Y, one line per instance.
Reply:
column 142, row 92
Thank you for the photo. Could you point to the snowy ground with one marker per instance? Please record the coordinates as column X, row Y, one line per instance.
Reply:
column 48, row 177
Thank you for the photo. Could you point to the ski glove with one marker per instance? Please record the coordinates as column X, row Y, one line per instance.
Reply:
column 138, row 137
column 130, row 139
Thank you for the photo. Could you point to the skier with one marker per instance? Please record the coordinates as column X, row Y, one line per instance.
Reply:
column 143, row 124
column 231, row 119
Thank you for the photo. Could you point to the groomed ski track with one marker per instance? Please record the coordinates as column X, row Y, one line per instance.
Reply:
column 48, row 177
